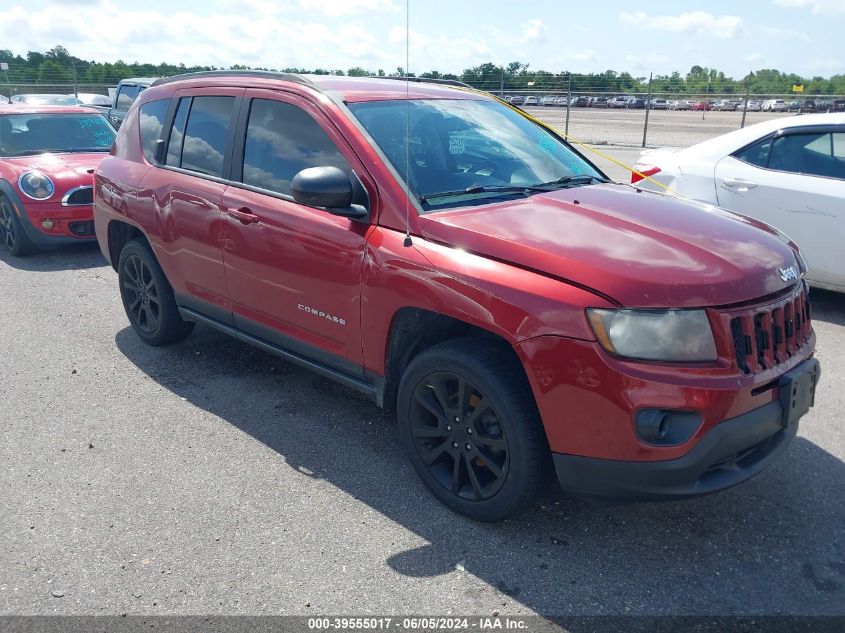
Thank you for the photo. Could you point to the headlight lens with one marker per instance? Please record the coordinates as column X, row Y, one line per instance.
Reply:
column 667, row 335
column 36, row 185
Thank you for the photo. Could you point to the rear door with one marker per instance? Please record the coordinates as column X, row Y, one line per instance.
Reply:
column 293, row 271
column 187, row 189
column 795, row 181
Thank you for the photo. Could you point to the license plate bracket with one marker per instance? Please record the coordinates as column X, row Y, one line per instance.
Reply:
column 798, row 390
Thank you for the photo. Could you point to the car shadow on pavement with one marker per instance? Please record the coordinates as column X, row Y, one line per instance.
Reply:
column 772, row 545
column 828, row 306
column 81, row 256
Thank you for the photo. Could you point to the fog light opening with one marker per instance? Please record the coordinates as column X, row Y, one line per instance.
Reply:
column 48, row 224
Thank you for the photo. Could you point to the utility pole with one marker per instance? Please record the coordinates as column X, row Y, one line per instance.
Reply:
column 647, row 108
column 745, row 104
column 5, row 67
column 706, row 92
column 75, row 86
column 568, row 102
column 502, row 84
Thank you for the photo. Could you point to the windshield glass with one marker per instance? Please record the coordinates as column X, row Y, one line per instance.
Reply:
column 26, row 134
column 458, row 145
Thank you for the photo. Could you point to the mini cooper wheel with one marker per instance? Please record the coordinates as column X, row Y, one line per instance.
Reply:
column 11, row 231
column 148, row 297
column 470, row 426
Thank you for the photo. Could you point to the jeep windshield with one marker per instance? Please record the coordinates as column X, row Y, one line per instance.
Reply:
column 464, row 152
column 29, row 134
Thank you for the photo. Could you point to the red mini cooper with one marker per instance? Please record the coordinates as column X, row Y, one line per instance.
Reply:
column 47, row 159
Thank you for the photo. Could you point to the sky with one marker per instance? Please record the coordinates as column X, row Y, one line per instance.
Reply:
column 801, row 36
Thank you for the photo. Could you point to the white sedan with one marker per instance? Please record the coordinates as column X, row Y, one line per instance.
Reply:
column 789, row 173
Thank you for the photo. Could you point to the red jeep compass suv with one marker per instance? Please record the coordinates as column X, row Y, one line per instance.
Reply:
column 438, row 250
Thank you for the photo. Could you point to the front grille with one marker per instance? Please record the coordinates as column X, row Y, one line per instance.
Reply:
column 82, row 229
column 766, row 336
column 80, row 195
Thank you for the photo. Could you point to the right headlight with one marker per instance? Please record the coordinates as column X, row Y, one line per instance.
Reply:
column 665, row 335
column 36, row 185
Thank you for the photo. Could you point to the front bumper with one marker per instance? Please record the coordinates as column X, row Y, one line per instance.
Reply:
column 731, row 452
column 71, row 225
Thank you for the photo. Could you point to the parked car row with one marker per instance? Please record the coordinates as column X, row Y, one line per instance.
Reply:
column 482, row 285
column 125, row 94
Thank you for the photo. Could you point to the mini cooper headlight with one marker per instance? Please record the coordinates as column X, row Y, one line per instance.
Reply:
column 667, row 335
column 36, row 185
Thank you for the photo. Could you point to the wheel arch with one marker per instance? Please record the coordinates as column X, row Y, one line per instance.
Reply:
column 119, row 234
column 413, row 330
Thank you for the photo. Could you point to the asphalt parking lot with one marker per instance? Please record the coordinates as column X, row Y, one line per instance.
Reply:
column 210, row 477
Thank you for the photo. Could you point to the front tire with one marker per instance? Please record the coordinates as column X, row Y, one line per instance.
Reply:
column 11, row 232
column 471, row 429
column 148, row 297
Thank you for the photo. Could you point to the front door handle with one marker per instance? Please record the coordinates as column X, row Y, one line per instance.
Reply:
column 739, row 183
column 243, row 215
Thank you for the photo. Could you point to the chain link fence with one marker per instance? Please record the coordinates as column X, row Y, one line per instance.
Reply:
column 661, row 119
column 606, row 118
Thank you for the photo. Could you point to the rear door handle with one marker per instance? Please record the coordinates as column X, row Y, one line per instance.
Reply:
column 243, row 215
column 739, row 183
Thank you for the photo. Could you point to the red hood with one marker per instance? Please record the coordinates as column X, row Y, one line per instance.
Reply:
column 65, row 170
column 642, row 249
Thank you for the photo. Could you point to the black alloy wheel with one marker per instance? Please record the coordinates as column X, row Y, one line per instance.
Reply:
column 148, row 297
column 470, row 426
column 143, row 303
column 11, row 233
column 459, row 436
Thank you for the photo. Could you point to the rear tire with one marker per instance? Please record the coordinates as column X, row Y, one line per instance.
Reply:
column 11, row 231
column 148, row 297
column 471, row 429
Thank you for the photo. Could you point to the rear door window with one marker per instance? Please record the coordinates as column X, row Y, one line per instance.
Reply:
column 810, row 153
column 281, row 140
column 151, row 117
column 200, row 134
column 125, row 96
column 177, row 133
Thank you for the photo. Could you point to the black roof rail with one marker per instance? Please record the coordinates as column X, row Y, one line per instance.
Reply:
column 266, row 74
column 429, row 80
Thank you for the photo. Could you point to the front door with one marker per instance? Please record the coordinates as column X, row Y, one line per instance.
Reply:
column 293, row 271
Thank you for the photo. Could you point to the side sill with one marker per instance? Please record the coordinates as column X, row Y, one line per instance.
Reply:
column 357, row 384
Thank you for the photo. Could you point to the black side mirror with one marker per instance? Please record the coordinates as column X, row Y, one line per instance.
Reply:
column 329, row 188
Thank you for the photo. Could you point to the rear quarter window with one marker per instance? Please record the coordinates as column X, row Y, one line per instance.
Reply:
column 756, row 153
column 151, row 120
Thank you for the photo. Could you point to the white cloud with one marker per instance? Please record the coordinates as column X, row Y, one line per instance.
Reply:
column 439, row 51
column 193, row 38
column 784, row 33
column 825, row 65
column 651, row 61
column 534, row 30
column 817, row 7
column 692, row 23
column 755, row 58
column 583, row 55
column 338, row 8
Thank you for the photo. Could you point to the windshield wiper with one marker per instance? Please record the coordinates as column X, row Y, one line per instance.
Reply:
column 477, row 189
column 566, row 181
